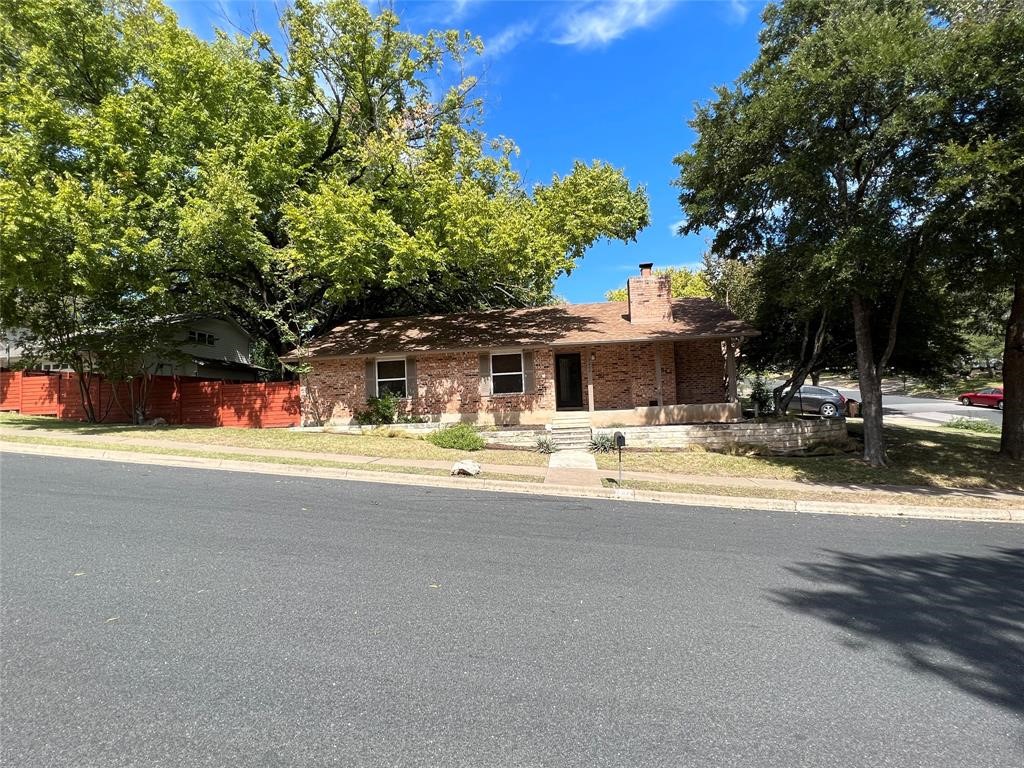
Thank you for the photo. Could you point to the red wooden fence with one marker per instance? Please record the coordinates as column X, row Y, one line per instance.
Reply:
column 178, row 400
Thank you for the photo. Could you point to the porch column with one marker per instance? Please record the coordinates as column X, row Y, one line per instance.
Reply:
column 657, row 374
column 730, row 367
column 590, row 379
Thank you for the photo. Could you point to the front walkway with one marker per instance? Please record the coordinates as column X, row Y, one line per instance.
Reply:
column 573, row 468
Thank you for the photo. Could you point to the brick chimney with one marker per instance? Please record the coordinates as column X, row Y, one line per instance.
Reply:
column 650, row 297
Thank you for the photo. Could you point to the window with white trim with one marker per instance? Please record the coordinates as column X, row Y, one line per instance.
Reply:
column 507, row 373
column 391, row 378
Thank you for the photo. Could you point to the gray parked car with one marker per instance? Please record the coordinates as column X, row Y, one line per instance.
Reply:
column 824, row 400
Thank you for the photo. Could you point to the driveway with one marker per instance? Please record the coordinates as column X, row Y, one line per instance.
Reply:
column 158, row 616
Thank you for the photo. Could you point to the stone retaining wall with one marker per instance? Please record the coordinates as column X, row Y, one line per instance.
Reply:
column 778, row 435
column 515, row 438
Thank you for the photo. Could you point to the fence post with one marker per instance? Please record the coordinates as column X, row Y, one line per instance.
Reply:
column 18, row 376
column 60, row 398
column 176, row 396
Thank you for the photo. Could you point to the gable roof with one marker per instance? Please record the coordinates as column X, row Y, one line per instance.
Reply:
column 557, row 325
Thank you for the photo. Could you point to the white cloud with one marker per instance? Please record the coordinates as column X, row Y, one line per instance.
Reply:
column 510, row 37
column 598, row 23
column 674, row 226
column 739, row 10
column 458, row 9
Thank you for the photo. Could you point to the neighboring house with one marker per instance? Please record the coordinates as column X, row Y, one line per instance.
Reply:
column 12, row 352
column 210, row 348
column 652, row 359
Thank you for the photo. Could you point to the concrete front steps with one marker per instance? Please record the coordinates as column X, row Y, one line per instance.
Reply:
column 570, row 431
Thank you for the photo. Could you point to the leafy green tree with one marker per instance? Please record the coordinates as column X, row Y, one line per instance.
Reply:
column 685, row 283
column 373, row 197
column 982, row 164
column 821, row 160
column 733, row 283
column 147, row 173
column 800, row 338
column 95, row 158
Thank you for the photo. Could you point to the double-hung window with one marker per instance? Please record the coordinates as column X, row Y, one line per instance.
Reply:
column 391, row 378
column 507, row 373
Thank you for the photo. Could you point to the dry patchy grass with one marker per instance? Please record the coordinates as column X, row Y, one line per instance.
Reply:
column 929, row 456
column 398, row 447
column 254, row 458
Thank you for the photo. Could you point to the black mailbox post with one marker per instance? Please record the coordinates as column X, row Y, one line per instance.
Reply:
column 620, row 441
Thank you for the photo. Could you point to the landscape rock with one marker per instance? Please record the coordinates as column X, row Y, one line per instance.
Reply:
column 157, row 422
column 465, row 467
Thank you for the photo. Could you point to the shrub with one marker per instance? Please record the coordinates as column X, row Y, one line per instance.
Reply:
column 379, row 410
column 761, row 399
column 602, row 442
column 386, row 431
column 545, row 444
column 408, row 418
column 974, row 425
column 461, row 437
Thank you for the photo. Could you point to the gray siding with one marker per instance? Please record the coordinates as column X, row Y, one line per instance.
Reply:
column 231, row 342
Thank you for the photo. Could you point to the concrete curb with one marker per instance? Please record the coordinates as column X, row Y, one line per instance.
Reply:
column 756, row 486
column 972, row 514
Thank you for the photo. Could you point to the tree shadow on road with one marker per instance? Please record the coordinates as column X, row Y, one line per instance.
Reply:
column 955, row 616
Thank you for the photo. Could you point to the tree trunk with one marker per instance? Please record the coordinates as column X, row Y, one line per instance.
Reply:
column 870, row 385
column 815, row 377
column 808, row 360
column 85, row 392
column 1011, row 443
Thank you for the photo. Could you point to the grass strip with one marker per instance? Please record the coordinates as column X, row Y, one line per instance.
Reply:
column 392, row 443
column 285, row 460
column 856, row 497
column 918, row 456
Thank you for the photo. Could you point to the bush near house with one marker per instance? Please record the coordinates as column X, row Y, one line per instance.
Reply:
column 461, row 437
column 379, row 410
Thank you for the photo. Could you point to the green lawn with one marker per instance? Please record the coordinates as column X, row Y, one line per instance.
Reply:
column 918, row 456
column 284, row 439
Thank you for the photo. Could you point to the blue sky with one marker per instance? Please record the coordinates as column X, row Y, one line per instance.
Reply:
column 614, row 80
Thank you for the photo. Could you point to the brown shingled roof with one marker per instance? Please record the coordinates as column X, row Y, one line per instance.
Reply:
column 558, row 325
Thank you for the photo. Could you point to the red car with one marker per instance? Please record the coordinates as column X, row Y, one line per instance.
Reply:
column 990, row 396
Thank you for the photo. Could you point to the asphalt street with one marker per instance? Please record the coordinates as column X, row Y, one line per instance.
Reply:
column 163, row 616
column 930, row 409
column 925, row 409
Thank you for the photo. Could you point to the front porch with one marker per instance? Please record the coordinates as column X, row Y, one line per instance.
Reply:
column 646, row 383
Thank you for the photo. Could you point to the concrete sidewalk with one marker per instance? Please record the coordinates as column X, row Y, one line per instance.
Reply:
column 342, row 458
column 685, row 501
column 575, row 469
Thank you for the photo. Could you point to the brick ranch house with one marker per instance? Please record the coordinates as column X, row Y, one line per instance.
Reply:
column 650, row 360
